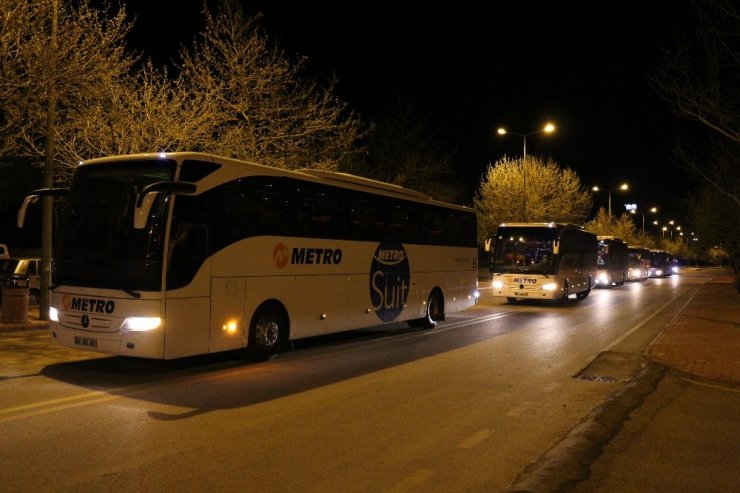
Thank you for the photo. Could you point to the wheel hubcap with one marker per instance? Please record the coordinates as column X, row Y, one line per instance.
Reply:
column 267, row 333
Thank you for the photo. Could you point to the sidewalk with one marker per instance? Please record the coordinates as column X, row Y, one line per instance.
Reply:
column 704, row 339
column 32, row 322
column 674, row 427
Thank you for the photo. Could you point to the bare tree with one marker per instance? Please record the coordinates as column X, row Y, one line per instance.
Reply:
column 402, row 149
column 83, row 67
column 145, row 112
column 699, row 80
column 266, row 112
column 529, row 190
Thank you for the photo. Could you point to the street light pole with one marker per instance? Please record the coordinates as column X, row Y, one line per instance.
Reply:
column 623, row 186
column 548, row 129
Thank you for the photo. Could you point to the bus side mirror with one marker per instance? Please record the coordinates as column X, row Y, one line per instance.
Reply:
column 21, row 218
column 555, row 247
column 146, row 196
column 32, row 198
column 487, row 245
column 141, row 213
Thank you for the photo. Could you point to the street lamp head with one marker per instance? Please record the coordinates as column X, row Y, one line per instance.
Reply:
column 654, row 210
column 623, row 186
column 549, row 128
column 595, row 188
column 501, row 131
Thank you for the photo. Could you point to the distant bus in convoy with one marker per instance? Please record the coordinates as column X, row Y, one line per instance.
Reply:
column 660, row 263
column 177, row 254
column 542, row 261
column 612, row 261
column 639, row 263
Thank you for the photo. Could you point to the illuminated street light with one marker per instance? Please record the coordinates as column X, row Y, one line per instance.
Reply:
column 653, row 210
column 548, row 129
column 623, row 186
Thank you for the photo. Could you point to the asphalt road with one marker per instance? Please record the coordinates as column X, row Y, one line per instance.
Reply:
column 463, row 407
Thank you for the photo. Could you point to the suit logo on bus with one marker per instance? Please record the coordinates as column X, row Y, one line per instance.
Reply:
column 281, row 256
column 390, row 278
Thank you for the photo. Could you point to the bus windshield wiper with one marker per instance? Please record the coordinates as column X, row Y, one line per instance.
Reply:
column 131, row 292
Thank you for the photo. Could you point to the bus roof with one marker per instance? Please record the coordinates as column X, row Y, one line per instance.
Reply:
column 343, row 180
column 540, row 225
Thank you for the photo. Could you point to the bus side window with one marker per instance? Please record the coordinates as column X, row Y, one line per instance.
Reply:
column 189, row 239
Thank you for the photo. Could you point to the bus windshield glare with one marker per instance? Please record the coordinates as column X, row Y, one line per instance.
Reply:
column 95, row 243
column 524, row 250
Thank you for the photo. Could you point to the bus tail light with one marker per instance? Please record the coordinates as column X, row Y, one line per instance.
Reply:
column 550, row 286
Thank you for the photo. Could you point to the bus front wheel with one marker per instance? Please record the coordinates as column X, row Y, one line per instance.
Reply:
column 566, row 293
column 268, row 331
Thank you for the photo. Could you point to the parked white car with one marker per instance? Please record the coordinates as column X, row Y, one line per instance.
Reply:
column 25, row 267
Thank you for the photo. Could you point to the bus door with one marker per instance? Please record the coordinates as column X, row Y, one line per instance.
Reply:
column 187, row 297
column 228, row 326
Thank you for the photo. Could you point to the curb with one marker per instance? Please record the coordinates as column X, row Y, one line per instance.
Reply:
column 567, row 462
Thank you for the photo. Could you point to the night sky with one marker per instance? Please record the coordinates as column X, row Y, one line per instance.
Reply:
column 582, row 65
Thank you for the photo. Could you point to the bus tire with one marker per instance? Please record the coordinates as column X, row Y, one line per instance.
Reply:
column 583, row 294
column 511, row 300
column 268, row 332
column 434, row 312
column 566, row 293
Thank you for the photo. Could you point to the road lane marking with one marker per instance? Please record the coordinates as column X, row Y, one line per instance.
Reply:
column 412, row 481
column 523, row 408
column 86, row 399
column 475, row 439
column 655, row 313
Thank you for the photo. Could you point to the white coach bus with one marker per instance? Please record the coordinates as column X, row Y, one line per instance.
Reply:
column 542, row 261
column 179, row 254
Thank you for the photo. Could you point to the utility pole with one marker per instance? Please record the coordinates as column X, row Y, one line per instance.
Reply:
column 47, row 201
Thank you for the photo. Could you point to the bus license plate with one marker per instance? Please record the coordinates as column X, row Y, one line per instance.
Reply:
column 521, row 294
column 86, row 341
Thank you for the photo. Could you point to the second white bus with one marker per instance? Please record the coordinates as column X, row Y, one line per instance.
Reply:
column 542, row 261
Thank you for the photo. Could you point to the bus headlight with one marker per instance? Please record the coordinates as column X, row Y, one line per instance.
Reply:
column 141, row 324
column 550, row 286
column 497, row 284
column 53, row 314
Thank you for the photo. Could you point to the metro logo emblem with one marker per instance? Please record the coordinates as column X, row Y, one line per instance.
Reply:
column 280, row 255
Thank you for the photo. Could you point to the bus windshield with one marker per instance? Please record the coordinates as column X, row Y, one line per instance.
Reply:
column 96, row 244
column 524, row 250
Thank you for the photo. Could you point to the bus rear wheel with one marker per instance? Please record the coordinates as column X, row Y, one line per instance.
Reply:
column 434, row 312
column 268, row 331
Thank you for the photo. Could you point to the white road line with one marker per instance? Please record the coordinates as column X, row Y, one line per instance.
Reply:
column 412, row 481
column 475, row 439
